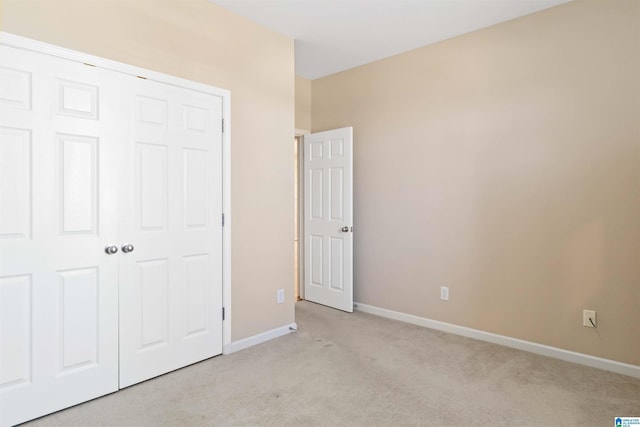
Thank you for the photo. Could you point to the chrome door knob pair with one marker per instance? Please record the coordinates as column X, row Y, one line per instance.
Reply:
column 112, row 249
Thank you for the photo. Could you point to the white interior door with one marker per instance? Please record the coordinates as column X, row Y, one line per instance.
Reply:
column 328, row 218
column 58, row 198
column 171, row 283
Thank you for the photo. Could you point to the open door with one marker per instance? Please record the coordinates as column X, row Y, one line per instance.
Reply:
column 328, row 218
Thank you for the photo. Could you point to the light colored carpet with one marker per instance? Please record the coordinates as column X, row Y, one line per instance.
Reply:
column 356, row 369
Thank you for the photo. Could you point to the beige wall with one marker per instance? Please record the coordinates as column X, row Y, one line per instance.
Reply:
column 303, row 103
column 197, row 40
column 504, row 164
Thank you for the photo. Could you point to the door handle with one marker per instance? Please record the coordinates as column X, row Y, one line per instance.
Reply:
column 111, row 249
column 127, row 247
column 345, row 229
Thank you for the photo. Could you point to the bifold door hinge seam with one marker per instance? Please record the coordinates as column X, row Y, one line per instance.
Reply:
column 222, row 125
column 222, row 313
column 223, row 219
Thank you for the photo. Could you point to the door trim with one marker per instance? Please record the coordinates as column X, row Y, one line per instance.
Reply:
column 300, row 133
column 20, row 42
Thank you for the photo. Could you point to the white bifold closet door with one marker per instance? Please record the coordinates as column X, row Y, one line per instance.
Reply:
column 171, row 283
column 58, row 201
column 91, row 158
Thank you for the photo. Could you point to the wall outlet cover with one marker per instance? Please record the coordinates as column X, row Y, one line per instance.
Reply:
column 587, row 317
column 444, row 293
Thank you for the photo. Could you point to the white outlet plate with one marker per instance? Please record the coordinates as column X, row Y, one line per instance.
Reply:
column 444, row 293
column 280, row 296
column 589, row 314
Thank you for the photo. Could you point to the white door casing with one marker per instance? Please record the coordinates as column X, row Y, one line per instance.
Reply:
column 328, row 218
column 58, row 198
column 76, row 172
column 171, row 283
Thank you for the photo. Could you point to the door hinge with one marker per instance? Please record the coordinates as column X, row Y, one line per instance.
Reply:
column 222, row 313
column 223, row 219
column 222, row 125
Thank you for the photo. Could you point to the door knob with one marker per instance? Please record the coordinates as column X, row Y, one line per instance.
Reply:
column 345, row 229
column 127, row 247
column 111, row 249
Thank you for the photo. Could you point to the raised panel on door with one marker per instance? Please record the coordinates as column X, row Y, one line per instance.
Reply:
column 58, row 288
column 15, row 85
column 78, row 299
column 171, row 284
column 152, row 285
column 16, row 204
column 197, row 293
column 16, row 323
column 194, row 188
column 328, row 218
column 151, row 187
column 78, row 186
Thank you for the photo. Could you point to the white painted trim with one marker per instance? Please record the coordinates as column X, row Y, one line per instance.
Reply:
column 259, row 338
column 300, row 176
column 544, row 350
column 61, row 52
column 24, row 43
column 226, row 230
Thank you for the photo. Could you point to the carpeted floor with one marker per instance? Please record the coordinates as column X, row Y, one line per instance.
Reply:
column 356, row 369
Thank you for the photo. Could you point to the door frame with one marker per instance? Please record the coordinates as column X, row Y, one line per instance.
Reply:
column 299, row 134
column 20, row 42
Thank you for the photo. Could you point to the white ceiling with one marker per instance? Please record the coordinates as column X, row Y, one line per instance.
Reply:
column 335, row 35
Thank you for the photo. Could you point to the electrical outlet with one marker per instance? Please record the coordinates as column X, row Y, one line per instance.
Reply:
column 280, row 296
column 589, row 316
column 444, row 293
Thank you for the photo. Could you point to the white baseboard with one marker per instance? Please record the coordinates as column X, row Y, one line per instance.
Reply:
column 544, row 350
column 234, row 346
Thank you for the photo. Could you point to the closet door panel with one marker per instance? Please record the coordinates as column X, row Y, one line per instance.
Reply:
column 58, row 206
column 171, row 283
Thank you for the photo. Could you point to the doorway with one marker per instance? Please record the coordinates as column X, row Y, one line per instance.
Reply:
column 324, row 218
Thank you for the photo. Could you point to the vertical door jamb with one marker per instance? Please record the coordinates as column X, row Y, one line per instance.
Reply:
column 226, row 212
column 301, row 133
